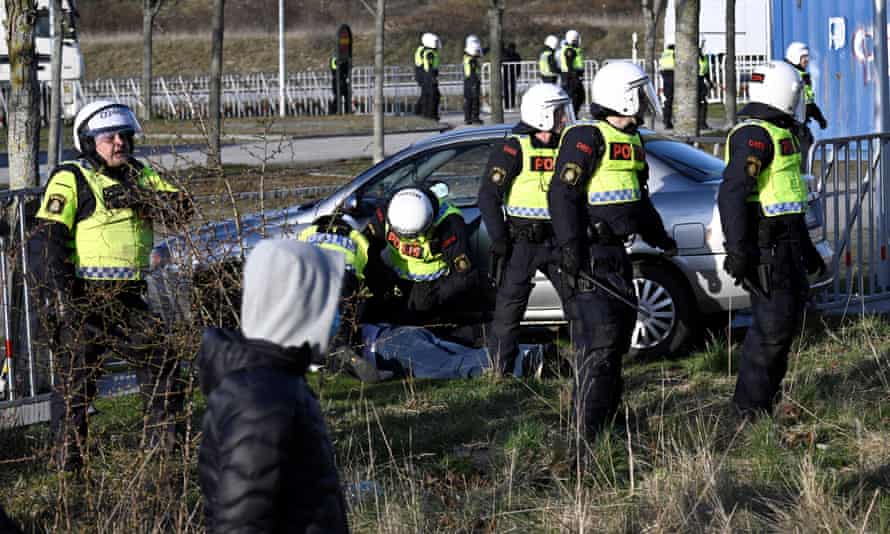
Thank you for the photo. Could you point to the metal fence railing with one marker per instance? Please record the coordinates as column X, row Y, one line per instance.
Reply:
column 310, row 92
column 852, row 174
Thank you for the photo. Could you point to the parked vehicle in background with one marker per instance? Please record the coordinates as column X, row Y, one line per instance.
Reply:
column 676, row 292
column 72, row 59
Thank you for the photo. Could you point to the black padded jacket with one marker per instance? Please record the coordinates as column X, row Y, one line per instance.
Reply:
column 266, row 463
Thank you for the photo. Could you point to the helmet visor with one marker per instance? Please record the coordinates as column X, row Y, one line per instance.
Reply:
column 648, row 97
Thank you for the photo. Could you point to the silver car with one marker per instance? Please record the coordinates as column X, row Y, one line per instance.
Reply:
column 675, row 292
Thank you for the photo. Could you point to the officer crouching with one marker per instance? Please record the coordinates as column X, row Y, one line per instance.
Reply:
column 517, row 178
column 599, row 192
column 763, row 200
column 90, row 252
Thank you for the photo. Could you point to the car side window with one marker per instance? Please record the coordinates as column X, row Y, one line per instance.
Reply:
column 459, row 167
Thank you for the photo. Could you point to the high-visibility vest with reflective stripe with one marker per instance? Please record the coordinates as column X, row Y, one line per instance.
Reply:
column 354, row 247
column 704, row 68
column 781, row 189
column 418, row 56
column 114, row 244
column 333, row 62
column 528, row 194
column 668, row 60
column 615, row 179
column 545, row 67
column 577, row 62
column 424, row 266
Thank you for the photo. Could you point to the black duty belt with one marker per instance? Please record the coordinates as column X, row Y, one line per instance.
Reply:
column 533, row 232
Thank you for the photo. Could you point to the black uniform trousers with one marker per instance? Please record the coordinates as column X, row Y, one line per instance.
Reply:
column 571, row 83
column 472, row 96
column 775, row 322
column 702, row 102
column 109, row 317
column 667, row 88
column 429, row 95
column 601, row 328
column 512, row 295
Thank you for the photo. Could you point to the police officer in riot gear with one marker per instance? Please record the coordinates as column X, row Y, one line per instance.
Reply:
column 516, row 182
column 798, row 55
column 704, row 86
column 426, row 251
column 599, row 190
column 91, row 249
column 666, row 68
column 548, row 66
column 472, row 81
column 762, row 202
column 426, row 71
column 571, row 65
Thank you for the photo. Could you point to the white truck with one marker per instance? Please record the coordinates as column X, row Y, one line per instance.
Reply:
column 72, row 59
column 752, row 27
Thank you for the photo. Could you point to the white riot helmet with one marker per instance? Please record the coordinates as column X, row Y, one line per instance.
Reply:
column 473, row 49
column 795, row 51
column 102, row 116
column 472, row 38
column 776, row 84
column 429, row 40
column 411, row 211
column 573, row 38
column 542, row 106
column 551, row 42
column 623, row 87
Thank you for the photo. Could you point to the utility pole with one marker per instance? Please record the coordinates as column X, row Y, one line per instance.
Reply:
column 281, row 52
column 686, row 69
column 379, row 104
column 730, row 94
column 54, row 154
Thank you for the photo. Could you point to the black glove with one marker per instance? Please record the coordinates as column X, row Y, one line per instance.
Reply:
column 570, row 261
column 501, row 247
column 118, row 197
column 669, row 246
column 424, row 297
column 813, row 261
column 822, row 123
column 736, row 265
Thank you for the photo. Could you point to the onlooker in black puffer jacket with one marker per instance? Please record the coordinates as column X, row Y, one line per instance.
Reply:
column 266, row 462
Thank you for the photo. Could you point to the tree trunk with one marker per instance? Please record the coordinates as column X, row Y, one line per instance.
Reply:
column 24, row 104
column 148, row 16
column 214, row 111
column 730, row 90
column 495, row 27
column 686, row 70
column 54, row 154
column 379, row 104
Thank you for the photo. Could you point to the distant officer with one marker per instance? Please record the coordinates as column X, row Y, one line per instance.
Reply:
column 419, row 74
column 340, row 85
column 427, row 60
column 704, row 86
column 510, row 72
column 571, row 65
column 798, row 55
column 547, row 63
column 762, row 202
column 666, row 68
column 427, row 251
column 516, row 182
column 600, row 192
column 472, row 82
column 91, row 248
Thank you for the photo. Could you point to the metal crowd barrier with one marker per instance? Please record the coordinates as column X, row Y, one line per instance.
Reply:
column 310, row 92
column 852, row 176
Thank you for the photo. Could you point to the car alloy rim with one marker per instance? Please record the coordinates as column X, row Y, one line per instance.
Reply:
column 657, row 301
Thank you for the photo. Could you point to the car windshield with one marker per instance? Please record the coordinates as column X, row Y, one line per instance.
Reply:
column 687, row 160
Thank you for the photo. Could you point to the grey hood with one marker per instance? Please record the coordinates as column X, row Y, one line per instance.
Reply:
column 291, row 294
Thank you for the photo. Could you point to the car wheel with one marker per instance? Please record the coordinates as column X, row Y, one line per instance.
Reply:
column 664, row 294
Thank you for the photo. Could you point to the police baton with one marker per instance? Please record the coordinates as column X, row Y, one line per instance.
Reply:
column 614, row 293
